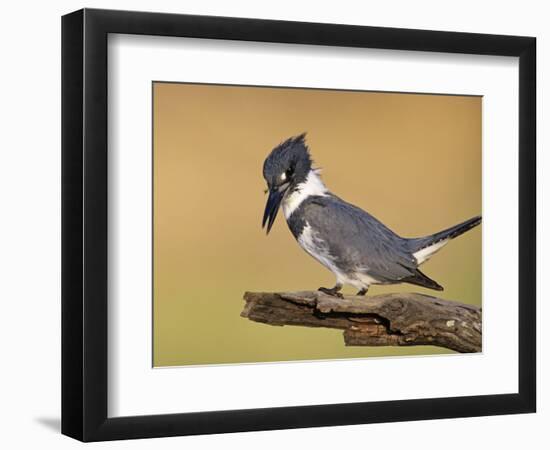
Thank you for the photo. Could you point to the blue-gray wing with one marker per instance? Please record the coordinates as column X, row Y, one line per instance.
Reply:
column 357, row 241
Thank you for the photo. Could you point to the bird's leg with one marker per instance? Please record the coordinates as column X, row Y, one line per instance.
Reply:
column 335, row 291
column 363, row 291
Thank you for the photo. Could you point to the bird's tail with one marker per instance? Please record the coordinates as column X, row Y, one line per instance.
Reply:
column 423, row 248
column 423, row 280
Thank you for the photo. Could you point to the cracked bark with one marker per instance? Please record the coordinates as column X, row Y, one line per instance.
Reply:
column 389, row 319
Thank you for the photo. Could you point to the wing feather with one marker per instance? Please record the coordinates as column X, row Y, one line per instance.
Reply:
column 357, row 241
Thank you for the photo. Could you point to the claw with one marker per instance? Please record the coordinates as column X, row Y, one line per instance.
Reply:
column 332, row 292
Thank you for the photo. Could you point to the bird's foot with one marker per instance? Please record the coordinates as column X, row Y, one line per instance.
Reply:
column 362, row 292
column 332, row 291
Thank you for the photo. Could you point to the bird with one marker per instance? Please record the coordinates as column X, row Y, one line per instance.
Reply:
column 355, row 246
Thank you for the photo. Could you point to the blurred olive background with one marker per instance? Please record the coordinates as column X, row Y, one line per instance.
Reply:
column 413, row 161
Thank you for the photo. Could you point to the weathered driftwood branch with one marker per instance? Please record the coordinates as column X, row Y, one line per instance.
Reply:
column 389, row 319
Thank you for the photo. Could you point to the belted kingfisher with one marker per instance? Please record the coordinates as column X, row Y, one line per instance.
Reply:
column 358, row 249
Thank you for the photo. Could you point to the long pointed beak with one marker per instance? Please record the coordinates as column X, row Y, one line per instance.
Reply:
column 272, row 206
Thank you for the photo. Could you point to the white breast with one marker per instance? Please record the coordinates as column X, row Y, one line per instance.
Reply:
column 315, row 246
column 312, row 244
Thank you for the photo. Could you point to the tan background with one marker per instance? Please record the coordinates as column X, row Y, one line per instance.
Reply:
column 413, row 161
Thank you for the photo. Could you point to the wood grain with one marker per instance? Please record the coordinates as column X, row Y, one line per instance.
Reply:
column 403, row 319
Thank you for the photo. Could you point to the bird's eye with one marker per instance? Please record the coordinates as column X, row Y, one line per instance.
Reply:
column 283, row 176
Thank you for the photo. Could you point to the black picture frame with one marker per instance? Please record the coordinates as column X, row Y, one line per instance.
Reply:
column 84, row 224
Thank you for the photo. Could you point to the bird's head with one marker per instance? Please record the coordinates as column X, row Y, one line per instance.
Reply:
column 287, row 165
